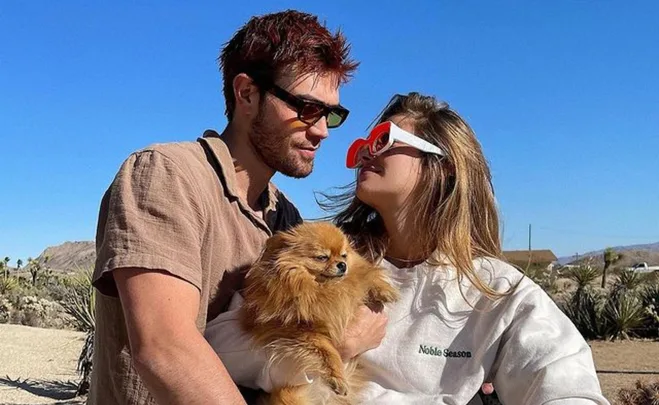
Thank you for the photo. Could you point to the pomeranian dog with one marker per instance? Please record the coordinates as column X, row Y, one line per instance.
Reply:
column 299, row 297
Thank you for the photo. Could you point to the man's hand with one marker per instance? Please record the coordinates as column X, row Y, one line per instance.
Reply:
column 364, row 332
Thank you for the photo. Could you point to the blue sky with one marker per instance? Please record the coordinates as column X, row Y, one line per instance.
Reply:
column 564, row 97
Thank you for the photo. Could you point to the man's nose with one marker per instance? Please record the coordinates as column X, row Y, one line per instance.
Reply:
column 319, row 129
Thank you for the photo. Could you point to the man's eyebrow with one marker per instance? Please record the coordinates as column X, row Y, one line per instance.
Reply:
column 309, row 97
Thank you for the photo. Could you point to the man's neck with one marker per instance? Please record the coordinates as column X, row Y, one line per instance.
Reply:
column 252, row 174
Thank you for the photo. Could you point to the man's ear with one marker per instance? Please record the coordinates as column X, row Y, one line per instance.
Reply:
column 246, row 94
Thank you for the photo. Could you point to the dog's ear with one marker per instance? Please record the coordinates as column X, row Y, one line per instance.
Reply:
column 274, row 244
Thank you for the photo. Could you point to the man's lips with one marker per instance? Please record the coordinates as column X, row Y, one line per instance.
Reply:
column 309, row 151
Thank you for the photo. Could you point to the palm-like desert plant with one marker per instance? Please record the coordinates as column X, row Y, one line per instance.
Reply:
column 80, row 304
column 650, row 301
column 610, row 258
column 584, row 310
column 622, row 314
column 630, row 280
column 583, row 275
column 4, row 265
column 8, row 284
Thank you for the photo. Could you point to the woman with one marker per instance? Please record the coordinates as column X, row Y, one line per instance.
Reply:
column 423, row 207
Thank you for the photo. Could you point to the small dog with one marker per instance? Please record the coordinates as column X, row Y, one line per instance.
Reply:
column 299, row 297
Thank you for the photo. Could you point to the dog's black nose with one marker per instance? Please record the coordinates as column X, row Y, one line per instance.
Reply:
column 341, row 266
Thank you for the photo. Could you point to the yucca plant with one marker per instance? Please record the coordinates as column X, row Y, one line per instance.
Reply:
column 610, row 258
column 584, row 310
column 622, row 315
column 79, row 303
column 630, row 280
column 8, row 284
column 650, row 301
column 650, row 294
column 583, row 275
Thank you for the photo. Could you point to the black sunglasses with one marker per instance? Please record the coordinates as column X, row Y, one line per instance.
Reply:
column 308, row 111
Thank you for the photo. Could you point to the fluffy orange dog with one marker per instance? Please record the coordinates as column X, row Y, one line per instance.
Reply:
column 299, row 297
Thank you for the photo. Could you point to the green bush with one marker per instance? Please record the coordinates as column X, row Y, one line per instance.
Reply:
column 623, row 314
column 584, row 309
column 79, row 303
column 8, row 284
column 583, row 275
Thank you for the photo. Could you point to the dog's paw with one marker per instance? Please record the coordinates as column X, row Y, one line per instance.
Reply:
column 384, row 294
column 338, row 385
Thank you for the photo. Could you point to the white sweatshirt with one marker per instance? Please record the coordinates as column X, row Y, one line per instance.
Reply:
column 439, row 349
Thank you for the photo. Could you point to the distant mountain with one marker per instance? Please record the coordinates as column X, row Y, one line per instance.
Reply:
column 70, row 256
column 641, row 253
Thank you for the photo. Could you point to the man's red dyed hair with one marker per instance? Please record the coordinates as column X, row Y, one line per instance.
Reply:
column 285, row 42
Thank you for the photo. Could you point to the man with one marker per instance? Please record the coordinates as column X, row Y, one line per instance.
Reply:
column 182, row 221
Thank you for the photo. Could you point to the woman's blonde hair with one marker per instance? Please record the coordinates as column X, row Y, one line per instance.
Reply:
column 452, row 206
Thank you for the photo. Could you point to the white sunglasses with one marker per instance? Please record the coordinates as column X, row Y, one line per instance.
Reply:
column 381, row 138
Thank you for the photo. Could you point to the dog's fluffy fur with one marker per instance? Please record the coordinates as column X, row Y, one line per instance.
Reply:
column 298, row 303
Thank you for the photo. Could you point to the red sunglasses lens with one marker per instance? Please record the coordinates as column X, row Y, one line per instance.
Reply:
column 380, row 142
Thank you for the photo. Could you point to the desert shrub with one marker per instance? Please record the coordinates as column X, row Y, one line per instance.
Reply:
column 584, row 308
column 40, row 312
column 7, row 285
column 629, row 280
column 79, row 303
column 650, row 302
column 623, row 315
column 6, row 309
column 643, row 393
column 583, row 275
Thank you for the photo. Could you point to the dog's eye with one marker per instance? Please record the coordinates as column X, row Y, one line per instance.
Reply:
column 344, row 256
column 322, row 258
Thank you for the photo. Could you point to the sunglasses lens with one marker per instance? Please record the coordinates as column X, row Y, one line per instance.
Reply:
column 381, row 143
column 311, row 113
column 336, row 118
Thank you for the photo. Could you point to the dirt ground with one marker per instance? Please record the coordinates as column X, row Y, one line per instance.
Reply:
column 630, row 356
column 37, row 366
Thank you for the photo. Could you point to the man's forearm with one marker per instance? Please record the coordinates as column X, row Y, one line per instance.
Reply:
column 186, row 371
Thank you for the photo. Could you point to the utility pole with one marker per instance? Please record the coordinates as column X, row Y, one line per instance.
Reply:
column 529, row 239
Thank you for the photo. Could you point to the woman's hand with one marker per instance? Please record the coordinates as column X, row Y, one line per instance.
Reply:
column 364, row 332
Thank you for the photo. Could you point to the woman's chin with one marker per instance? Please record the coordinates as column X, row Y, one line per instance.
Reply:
column 366, row 192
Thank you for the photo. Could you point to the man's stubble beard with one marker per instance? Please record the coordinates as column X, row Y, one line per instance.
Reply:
column 273, row 147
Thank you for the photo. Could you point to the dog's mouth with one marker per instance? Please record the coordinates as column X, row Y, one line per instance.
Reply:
column 330, row 276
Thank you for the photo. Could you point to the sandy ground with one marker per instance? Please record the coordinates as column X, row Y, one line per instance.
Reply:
column 631, row 356
column 37, row 366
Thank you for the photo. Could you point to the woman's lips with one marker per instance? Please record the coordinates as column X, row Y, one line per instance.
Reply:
column 370, row 168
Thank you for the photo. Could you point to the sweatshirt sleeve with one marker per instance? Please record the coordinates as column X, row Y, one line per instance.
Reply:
column 248, row 365
column 542, row 357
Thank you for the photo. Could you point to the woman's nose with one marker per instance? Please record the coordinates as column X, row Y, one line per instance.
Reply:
column 364, row 156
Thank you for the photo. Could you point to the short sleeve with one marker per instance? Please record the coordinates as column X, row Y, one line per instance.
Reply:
column 151, row 218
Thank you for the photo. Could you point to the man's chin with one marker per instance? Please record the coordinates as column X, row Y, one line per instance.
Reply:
column 297, row 171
